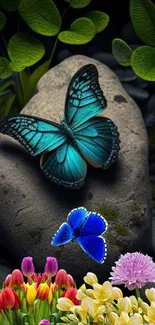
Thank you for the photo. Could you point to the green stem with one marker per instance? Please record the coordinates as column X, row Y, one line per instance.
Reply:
column 56, row 40
column 137, row 293
column 10, row 317
column 39, row 314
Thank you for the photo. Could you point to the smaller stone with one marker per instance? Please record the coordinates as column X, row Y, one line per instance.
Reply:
column 141, row 83
column 125, row 75
column 63, row 54
column 106, row 58
column 135, row 92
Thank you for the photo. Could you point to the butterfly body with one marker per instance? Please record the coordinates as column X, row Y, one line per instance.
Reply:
column 81, row 138
column 87, row 229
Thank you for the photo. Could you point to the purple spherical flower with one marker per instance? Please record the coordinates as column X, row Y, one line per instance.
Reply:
column 27, row 266
column 51, row 266
column 133, row 270
column 44, row 322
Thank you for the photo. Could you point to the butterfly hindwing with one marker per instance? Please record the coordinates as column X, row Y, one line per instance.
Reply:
column 63, row 235
column 95, row 225
column 94, row 246
column 84, row 98
column 35, row 134
column 65, row 166
column 98, row 141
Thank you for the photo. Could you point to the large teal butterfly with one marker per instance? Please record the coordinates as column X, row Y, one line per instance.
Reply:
column 80, row 138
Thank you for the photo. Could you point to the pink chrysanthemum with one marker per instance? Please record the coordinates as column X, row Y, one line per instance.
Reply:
column 133, row 270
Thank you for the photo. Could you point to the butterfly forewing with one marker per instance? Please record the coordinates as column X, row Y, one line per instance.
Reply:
column 95, row 225
column 35, row 134
column 84, row 98
column 63, row 235
column 76, row 218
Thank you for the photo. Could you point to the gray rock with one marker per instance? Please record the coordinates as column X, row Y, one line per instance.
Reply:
column 63, row 54
column 135, row 92
column 106, row 58
column 125, row 75
column 33, row 208
column 5, row 269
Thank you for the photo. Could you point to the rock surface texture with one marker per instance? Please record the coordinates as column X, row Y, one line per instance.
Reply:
column 32, row 208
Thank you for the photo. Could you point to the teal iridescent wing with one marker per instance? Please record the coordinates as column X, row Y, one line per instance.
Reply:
column 65, row 166
column 35, row 134
column 84, row 98
column 98, row 141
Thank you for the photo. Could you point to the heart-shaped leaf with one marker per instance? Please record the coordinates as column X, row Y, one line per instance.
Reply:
column 122, row 52
column 2, row 21
column 143, row 18
column 143, row 62
column 82, row 31
column 24, row 50
column 42, row 16
column 99, row 18
column 10, row 5
column 5, row 67
column 79, row 3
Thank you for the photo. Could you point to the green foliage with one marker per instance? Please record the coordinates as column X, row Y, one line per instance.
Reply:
column 122, row 52
column 10, row 5
column 2, row 21
column 24, row 50
column 142, row 59
column 82, row 31
column 143, row 62
column 99, row 18
column 143, row 18
column 41, row 16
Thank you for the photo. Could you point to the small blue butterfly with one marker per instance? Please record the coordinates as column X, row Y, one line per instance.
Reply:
column 85, row 227
column 80, row 138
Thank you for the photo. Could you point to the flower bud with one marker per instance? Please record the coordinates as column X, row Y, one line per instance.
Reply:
column 31, row 294
column 8, row 299
column 70, row 280
column 51, row 266
column 90, row 278
column 64, row 304
column 8, row 280
column 112, row 318
column 124, row 304
column 150, row 294
column 116, row 293
column 27, row 266
column 61, row 278
column 45, row 322
column 17, row 278
column 43, row 291
column 17, row 301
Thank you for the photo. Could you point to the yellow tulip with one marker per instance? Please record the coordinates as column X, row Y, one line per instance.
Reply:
column 150, row 313
column 124, row 304
column 136, row 319
column 150, row 294
column 64, row 304
column 30, row 294
column 50, row 295
column 112, row 318
column 103, row 292
column 90, row 305
column 90, row 278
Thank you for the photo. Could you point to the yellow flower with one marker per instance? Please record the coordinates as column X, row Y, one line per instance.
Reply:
column 112, row 318
column 103, row 292
column 50, row 295
column 64, row 304
column 124, row 304
column 116, row 293
column 30, row 293
column 124, row 319
column 150, row 313
column 150, row 294
column 90, row 278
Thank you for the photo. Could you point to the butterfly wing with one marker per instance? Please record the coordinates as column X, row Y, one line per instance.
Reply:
column 95, row 225
column 98, row 141
column 76, row 218
column 65, row 166
column 35, row 134
column 94, row 246
column 63, row 235
column 84, row 97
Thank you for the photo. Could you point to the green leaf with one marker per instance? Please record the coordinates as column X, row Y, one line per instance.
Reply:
column 23, row 88
column 6, row 84
column 6, row 105
column 82, row 31
column 121, row 52
column 2, row 21
column 5, row 67
column 99, row 18
column 79, row 3
column 9, row 5
column 35, row 77
column 143, row 62
column 143, row 18
column 42, row 16
column 24, row 50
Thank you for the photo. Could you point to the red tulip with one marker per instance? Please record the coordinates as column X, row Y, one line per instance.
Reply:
column 71, row 294
column 17, row 278
column 17, row 301
column 8, row 280
column 70, row 280
column 61, row 278
column 1, row 305
column 43, row 291
column 8, row 298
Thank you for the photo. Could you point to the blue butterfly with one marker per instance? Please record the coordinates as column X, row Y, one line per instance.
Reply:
column 80, row 138
column 87, row 228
